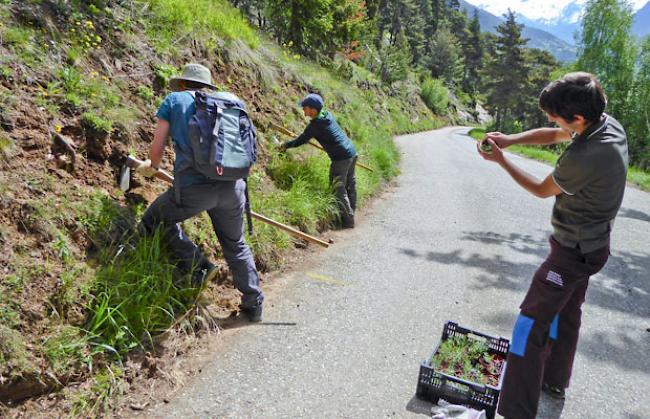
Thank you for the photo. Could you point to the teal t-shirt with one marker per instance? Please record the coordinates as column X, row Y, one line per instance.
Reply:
column 177, row 109
column 329, row 134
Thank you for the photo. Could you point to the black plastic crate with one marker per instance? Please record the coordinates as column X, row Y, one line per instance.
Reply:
column 434, row 385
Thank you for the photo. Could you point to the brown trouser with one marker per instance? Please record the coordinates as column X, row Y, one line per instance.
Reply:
column 545, row 335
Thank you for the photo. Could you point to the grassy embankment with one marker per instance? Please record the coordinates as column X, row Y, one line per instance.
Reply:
column 80, row 293
column 635, row 175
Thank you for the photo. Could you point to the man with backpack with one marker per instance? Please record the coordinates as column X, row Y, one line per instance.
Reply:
column 214, row 143
column 588, row 184
column 340, row 149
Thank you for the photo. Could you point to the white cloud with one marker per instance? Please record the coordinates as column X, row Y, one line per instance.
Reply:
column 535, row 9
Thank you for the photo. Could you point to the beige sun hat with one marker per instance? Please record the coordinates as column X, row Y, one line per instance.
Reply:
column 193, row 72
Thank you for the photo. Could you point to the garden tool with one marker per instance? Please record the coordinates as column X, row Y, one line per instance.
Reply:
column 285, row 131
column 132, row 163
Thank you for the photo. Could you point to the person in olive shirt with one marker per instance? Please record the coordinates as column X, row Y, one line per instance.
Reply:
column 588, row 184
column 324, row 128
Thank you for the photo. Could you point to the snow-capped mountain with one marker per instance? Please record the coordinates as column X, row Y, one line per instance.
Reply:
column 537, row 38
column 557, row 33
column 567, row 24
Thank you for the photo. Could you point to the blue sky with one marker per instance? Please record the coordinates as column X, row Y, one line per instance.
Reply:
column 536, row 9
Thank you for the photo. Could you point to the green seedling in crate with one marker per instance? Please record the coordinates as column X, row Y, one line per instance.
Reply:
column 468, row 359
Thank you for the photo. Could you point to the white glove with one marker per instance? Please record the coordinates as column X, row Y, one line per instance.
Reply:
column 146, row 169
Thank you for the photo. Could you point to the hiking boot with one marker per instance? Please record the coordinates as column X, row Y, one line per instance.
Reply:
column 554, row 392
column 254, row 314
column 203, row 275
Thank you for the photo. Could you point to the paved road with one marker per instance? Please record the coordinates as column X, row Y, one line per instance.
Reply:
column 456, row 240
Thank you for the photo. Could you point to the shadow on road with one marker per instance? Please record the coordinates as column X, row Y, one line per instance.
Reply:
column 419, row 407
column 550, row 408
column 627, row 349
column 634, row 214
column 623, row 286
column 236, row 322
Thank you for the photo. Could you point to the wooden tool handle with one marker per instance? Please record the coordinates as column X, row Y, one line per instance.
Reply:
column 290, row 230
column 285, row 131
column 165, row 176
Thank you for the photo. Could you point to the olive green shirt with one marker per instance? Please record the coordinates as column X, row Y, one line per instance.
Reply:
column 591, row 174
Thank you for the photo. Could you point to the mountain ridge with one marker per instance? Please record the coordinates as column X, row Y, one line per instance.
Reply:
column 537, row 38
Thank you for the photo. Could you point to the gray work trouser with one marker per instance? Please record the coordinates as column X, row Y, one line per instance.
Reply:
column 345, row 188
column 224, row 203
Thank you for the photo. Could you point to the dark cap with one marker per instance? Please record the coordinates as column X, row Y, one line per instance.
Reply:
column 312, row 100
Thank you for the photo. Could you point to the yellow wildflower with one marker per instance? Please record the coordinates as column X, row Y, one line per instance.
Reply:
column 58, row 127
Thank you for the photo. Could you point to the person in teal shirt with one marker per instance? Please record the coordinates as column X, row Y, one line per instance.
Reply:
column 324, row 128
column 193, row 194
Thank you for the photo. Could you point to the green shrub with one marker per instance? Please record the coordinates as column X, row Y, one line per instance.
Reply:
column 164, row 72
column 436, row 95
column 97, row 122
column 145, row 92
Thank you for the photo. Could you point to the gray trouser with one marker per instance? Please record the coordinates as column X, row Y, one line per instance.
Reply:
column 345, row 187
column 224, row 203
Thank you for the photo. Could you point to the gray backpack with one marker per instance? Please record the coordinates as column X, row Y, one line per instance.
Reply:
column 222, row 140
column 222, row 137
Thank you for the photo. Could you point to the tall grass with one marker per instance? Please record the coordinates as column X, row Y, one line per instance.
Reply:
column 175, row 23
column 136, row 296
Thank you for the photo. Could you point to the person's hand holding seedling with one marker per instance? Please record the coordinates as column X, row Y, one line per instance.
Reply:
column 501, row 140
column 489, row 150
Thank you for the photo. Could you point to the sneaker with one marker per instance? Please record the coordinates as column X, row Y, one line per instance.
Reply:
column 254, row 314
column 204, row 275
column 555, row 392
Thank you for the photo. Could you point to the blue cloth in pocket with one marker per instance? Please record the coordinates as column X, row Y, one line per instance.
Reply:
column 554, row 327
column 520, row 334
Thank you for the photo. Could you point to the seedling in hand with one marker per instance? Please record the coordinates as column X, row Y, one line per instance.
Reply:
column 485, row 146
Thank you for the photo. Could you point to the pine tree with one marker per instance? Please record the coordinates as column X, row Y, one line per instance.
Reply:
column 473, row 56
column 445, row 62
column 396, row 59
column 508, row 72
column 404, row 16
column 437, row 13
column 542, row 65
